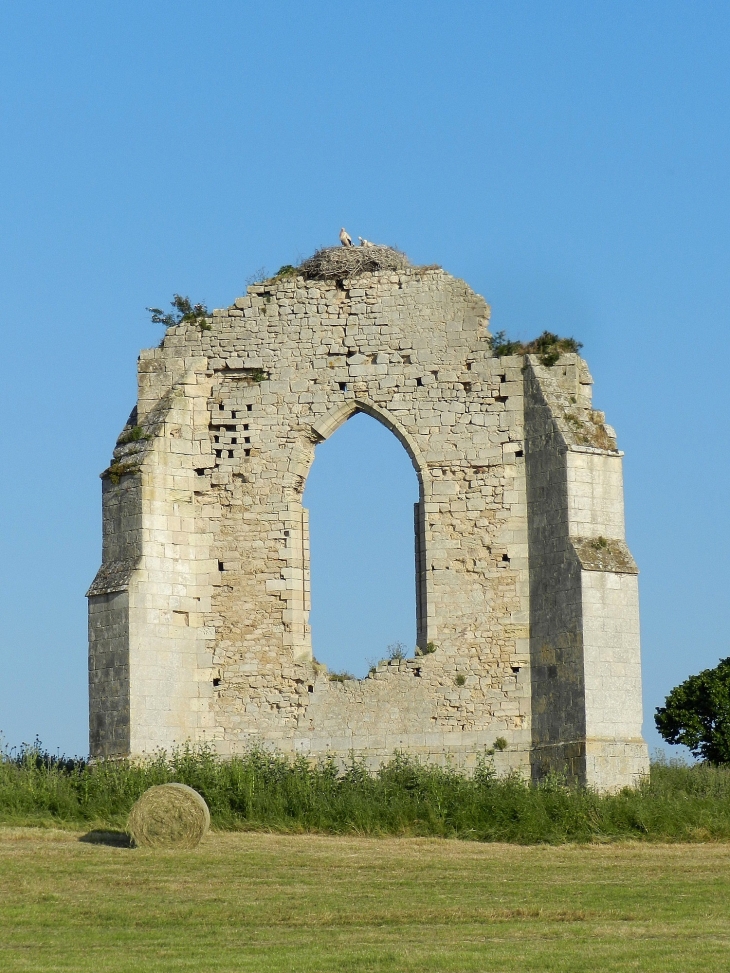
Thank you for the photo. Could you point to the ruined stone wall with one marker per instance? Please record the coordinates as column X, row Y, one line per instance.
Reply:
column 584, row 611
column 556, row 619
column 215, row 568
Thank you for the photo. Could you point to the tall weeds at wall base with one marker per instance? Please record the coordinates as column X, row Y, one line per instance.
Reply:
column 269, row 791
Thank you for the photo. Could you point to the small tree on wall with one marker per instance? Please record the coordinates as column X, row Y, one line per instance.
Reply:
column 697, row 714
column 183, row 311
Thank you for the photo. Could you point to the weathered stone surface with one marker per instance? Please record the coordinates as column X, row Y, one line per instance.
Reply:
column 199, row 615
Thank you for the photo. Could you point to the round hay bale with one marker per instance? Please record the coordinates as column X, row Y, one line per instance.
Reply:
column 168, row 816
column 336, row 263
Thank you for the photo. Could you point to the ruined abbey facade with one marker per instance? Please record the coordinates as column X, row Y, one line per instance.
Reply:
column 526, row 594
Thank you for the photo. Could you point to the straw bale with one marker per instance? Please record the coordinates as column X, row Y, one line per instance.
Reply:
column 337, row 263
column 168, row 816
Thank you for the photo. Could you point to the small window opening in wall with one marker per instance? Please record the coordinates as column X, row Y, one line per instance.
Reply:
column 216, row 681
column 221, row 407
column 503, row 378
column 310, row 689
column 247, row 452
column 234, row 441
column 467, row 386
column 218, row 453
column 249, row 408
column 200, row 472
column 220, row 566
column 230, row 454
column 519, row 453
column 500, row 398
column 234, row 415
column 516, row 669
column 419, row 382
column 216, row 439
column 229, row 428
column 343, row 386
column 247, row 439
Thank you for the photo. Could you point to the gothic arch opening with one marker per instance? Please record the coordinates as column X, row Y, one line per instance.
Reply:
column 361, row 493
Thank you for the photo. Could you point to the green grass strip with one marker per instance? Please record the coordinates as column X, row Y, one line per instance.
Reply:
column 268, row 791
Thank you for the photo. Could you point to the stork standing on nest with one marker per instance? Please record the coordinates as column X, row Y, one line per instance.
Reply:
column 364, row 242
column 345, row 238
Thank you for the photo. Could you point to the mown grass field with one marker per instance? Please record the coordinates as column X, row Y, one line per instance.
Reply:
column 263, row 902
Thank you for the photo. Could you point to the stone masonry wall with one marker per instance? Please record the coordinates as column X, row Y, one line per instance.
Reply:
column 556, row 620
column 213, row 557
column 584, row 611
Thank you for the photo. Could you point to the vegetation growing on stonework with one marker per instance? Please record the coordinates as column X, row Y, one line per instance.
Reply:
column 183, row 311
column 133, row 435
column 548, row 347
column 261, row 790
column 286, row 271
column 397, row 652
column 340, row 676
column 697, row 714
column 117, row 470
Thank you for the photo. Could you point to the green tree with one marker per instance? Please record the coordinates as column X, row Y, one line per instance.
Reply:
column 697, row 714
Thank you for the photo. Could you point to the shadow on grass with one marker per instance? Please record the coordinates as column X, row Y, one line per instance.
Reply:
column 115, row 839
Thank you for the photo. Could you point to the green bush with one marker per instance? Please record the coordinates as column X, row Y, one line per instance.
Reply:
column 548, row 347
column 262, row 790
column 182, row 311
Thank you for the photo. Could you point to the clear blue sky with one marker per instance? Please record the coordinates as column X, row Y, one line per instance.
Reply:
column 568, row 159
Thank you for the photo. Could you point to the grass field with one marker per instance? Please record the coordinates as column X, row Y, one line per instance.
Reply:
column 290, row 903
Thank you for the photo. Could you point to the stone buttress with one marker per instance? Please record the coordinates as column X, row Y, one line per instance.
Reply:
column 527, row 606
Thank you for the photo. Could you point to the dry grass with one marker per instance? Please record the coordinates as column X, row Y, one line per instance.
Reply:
column 258, row 902
column 169, row 816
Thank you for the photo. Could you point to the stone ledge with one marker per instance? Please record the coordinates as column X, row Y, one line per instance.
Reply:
column 601, row 554
column 113, row 577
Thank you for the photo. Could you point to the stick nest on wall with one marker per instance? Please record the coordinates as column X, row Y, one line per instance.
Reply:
column 336, row 263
